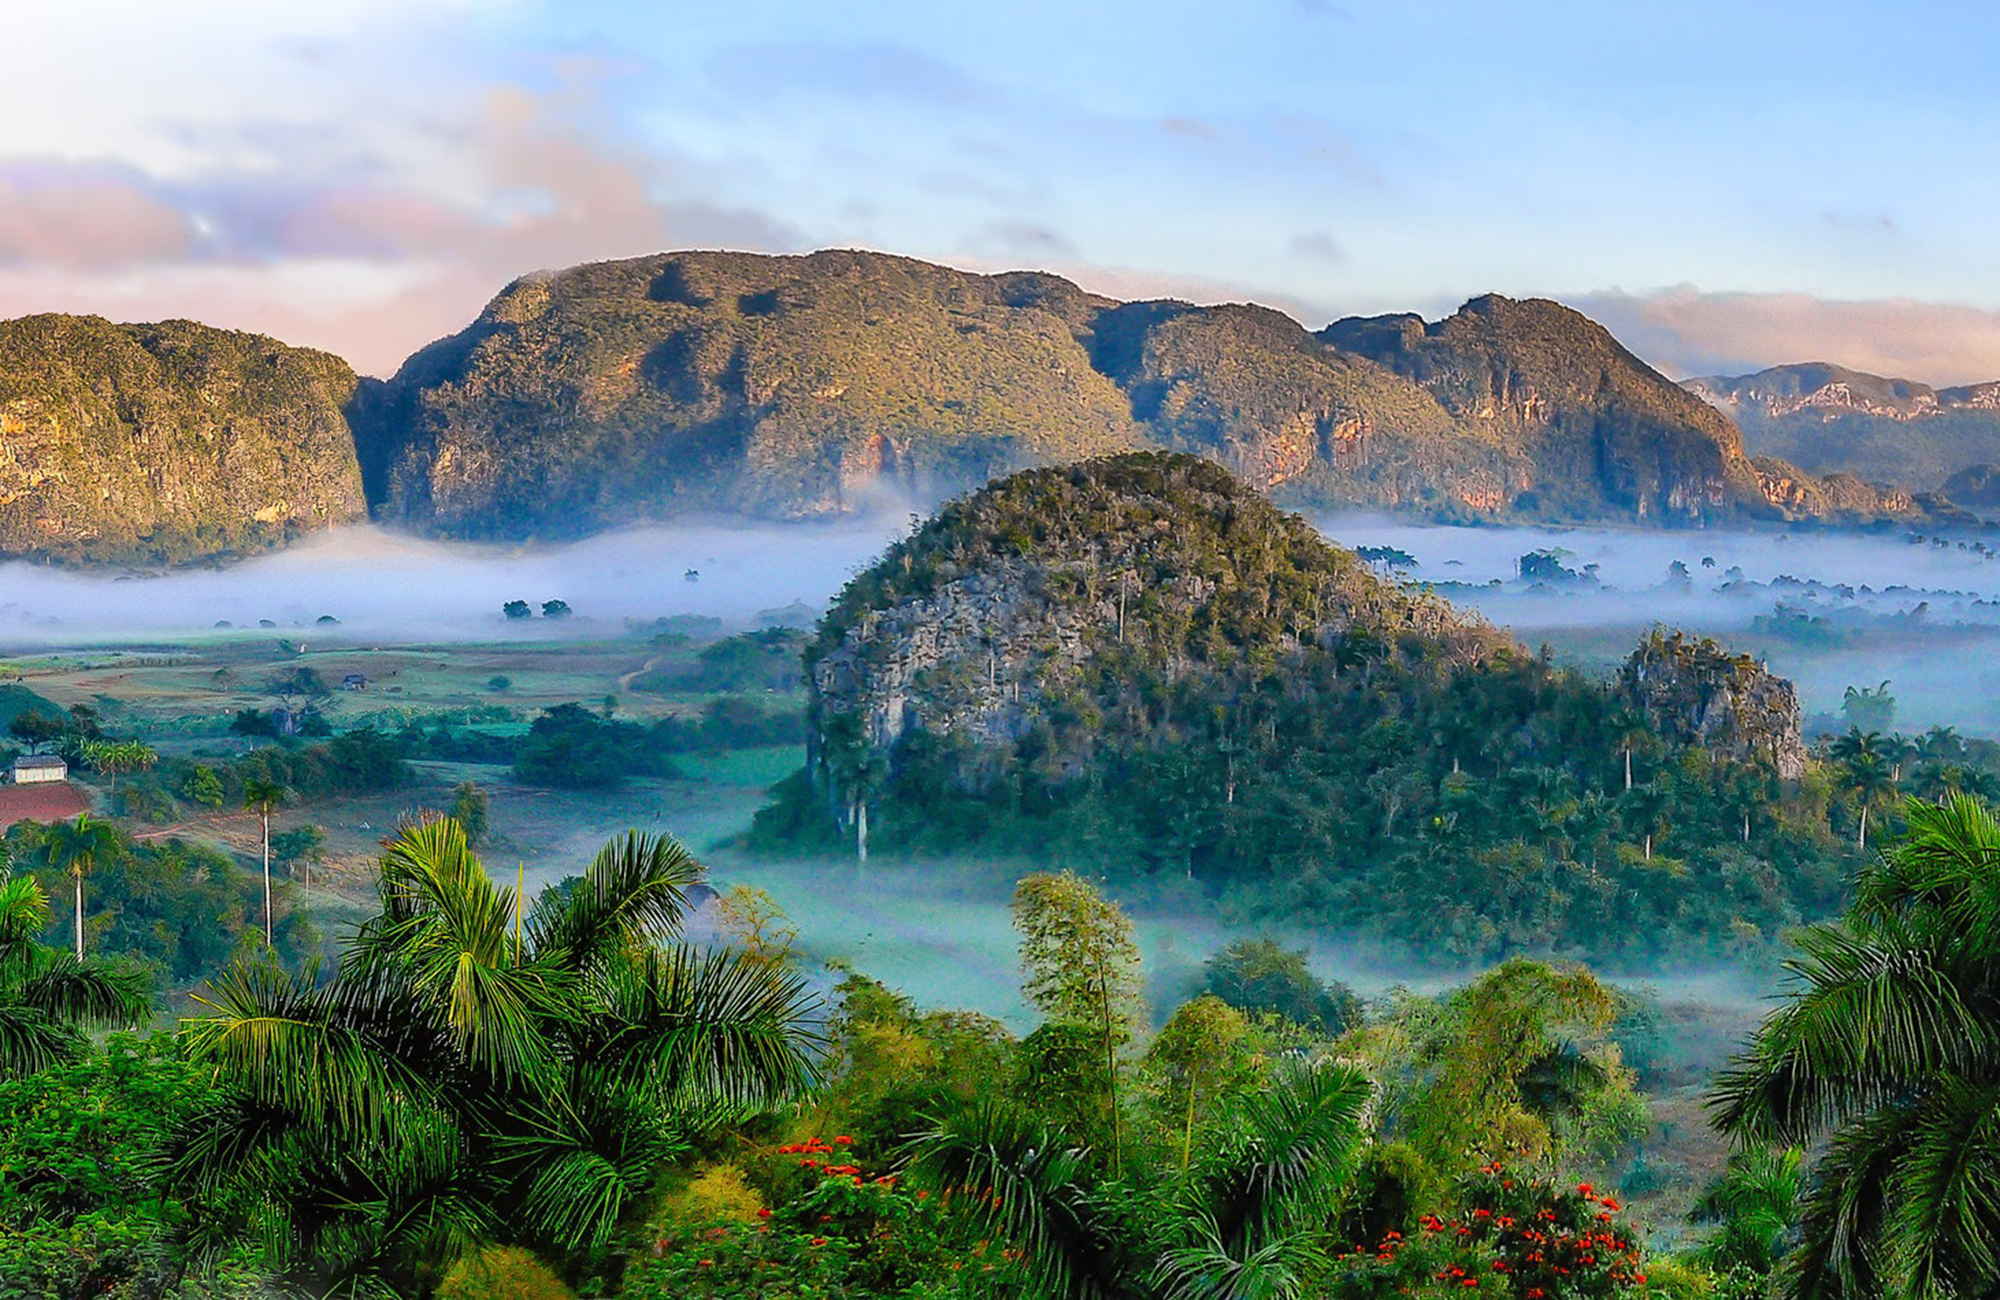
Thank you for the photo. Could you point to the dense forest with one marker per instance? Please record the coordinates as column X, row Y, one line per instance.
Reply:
column 1138, row 669
column 490, row 1098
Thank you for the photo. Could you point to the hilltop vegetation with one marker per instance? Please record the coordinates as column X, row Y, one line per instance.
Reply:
column 801, row 386
column 1139, row 667
column 159, row 444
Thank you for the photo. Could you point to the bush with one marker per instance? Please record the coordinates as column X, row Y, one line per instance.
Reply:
column 502, row 1273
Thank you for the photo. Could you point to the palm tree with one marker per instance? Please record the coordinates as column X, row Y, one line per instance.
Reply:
column 1630, row 727
column 1868, row 779
column 1755, row 1204
column 46, row 998
column 75, row 848
column 1250, row 1218
column 1889, row 1048
column 264, row 797
column 455, row 1085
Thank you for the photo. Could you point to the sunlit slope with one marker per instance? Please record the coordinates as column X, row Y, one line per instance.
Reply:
column 833, row 382
column 166, row 443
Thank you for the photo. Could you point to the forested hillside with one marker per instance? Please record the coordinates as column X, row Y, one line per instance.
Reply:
column 1138, row 666
column 159, row 444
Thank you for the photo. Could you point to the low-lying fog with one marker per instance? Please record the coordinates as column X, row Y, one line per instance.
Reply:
column 1829, row 610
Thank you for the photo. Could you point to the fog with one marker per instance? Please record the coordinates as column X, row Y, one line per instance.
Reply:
column 1922, row 615
column 385, row 585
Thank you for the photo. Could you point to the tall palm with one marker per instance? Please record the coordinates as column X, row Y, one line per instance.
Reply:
column 46, row 997
column 1868, row 779
column 1889, row 1045
column 456, row 1083
column 1249, row 1219
column 75, row 847
column 264, row 798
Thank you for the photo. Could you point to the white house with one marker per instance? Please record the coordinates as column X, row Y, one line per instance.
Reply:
column 35, row 769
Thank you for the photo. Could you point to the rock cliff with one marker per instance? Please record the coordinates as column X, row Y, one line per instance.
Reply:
column 160, row 444
column 1731, row 705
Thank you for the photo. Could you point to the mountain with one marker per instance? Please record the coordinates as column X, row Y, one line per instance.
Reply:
column 1828, row 419
column 166, row 443
column 1137, row 665
column 791, row 387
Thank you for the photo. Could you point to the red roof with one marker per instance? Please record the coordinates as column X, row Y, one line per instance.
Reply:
column 44, row 801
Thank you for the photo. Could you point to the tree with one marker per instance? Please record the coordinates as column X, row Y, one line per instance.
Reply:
column 203, row 785
column 1755, row 1205
column 517, row 609
column 1080, row 968
column 1630, row 727
column 1260, row 975
column 458, row 1083
column 35, row 729
column 1864, row 774
column 1201, row 1051
column 1869, row 710
column 1888, row 1049
column 46, row 997
column 468, row 809
column 300, row 847
column 114, row 756
column 555, row 609
column 265, row 797
column 75, row 847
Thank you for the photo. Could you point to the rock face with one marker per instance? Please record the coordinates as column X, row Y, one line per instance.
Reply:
column 1829, row 419
column 637, row 390
column 1017, row 616
column 1592, row 423
column 1731, row 705
column 167, row 443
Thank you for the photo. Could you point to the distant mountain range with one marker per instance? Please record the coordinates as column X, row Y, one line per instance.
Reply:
column 1826, row 418
column 796, row 387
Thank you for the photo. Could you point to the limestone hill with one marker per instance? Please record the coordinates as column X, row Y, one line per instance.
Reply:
column 166, row 443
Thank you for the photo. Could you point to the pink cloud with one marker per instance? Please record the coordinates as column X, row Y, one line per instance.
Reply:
column 1688, row 332
column 369, row 270
column 84, row 216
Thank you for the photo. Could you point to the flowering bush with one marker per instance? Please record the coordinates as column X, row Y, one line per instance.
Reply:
column 849, row 1230
column 1513, row 1236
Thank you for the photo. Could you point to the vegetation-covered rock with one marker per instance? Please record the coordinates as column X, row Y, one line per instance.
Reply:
column 1137, row 666
column 167, row 443
column 799, row 386
column 1731, row 705
column 1831, row 419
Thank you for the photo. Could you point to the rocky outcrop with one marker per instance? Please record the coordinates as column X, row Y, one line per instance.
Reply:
column 166, row 443
column 1829, row 419
column 1019, row 616
column 1732, row 705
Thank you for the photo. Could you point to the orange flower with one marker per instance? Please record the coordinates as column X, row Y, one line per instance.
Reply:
column 845, row 1140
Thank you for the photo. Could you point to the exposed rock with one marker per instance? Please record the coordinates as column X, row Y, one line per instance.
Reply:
column 167, row 443
column 1735, row 707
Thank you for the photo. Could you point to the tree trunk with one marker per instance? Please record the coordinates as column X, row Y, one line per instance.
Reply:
column 1863, row 844
column 1649, row 846
column 861, row 834
column 1746, row 825
column 1628, row 767
column 77, row 872
column 1187, row 1139
column 267, row 878
column 1111, row 1073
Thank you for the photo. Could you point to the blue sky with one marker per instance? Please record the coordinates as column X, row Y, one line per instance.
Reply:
column 1725, row 185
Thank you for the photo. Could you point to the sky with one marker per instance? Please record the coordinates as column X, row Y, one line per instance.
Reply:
column 1726, row 186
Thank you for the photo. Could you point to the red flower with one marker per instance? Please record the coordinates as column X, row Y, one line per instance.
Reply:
column 763, row 1214
column 819, row 1241
column 845, row 1140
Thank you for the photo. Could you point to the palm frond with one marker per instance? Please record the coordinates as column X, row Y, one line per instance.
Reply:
column 31, row 1040
column 1942, row 1228
column 1205, row 1269
column 24, row 914
column 1288, row 1158
column 288, row 1044
column 86, row 992
column 634, row 893
column 722, row 1025
column 1022, row 1181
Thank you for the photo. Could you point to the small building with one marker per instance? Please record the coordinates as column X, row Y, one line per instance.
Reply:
column 39, row 769
column 354, row 682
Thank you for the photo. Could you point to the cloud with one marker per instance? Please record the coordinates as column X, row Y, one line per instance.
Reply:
column 371, row 264
column 1319, row 245
column 85, row 216
column 1687, row 332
